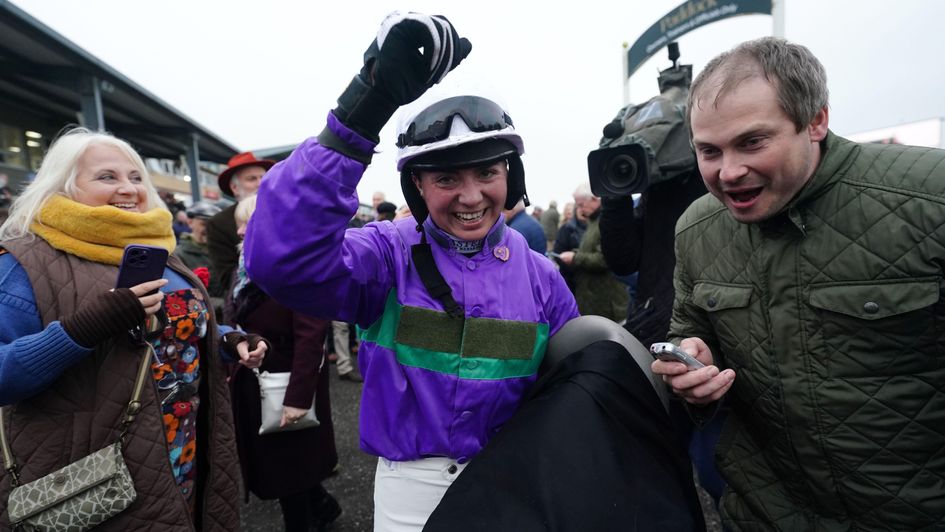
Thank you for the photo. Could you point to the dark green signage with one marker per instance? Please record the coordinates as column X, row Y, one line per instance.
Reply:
column 685, row 18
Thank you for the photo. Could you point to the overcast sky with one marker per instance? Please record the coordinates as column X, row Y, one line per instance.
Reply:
column 262, row 74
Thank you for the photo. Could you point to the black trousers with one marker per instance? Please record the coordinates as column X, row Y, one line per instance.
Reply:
column 300, row 511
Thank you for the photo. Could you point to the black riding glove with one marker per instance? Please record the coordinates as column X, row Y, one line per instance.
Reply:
column 412, row 52
column 105, row 316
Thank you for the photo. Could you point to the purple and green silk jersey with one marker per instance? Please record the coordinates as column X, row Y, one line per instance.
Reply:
column 433, row 385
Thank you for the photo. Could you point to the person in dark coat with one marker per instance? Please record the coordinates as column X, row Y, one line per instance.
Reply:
column 596, row 289
column 569, row 239
column 289, row 466
column 642, row 240
column 386, row 211
column 240, row 180
column 550, row 220
column 192, row 246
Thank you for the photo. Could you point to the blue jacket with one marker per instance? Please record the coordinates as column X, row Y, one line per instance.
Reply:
column 531, row 230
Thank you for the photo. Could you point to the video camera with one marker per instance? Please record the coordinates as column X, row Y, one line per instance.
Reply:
column 647, row 143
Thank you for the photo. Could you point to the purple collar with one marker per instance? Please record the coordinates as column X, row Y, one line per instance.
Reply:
column 448, row 241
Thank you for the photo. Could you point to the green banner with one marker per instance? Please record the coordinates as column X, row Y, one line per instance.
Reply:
column 685, row 18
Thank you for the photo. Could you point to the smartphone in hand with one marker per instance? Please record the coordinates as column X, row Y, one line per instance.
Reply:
column 140, row 264
column 670, row 353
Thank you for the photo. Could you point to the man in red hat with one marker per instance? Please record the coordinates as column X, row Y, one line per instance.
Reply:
column 240, row 180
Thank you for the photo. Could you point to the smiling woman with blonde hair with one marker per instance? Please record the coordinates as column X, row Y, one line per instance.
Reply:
column 58, row 175
column 68, row 365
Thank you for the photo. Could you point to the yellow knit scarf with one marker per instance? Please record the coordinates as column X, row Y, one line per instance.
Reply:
column 100, row 234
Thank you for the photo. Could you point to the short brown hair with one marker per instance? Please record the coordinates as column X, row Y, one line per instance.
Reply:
column 798, row 77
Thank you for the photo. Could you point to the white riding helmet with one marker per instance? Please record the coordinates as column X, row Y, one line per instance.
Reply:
column 458, row 132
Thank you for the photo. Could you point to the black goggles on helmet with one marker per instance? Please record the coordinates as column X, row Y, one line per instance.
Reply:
column 434, row 123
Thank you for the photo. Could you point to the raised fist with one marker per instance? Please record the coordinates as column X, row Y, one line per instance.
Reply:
column 412, row 52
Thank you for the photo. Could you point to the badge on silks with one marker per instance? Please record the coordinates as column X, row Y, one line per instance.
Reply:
column 501, row 253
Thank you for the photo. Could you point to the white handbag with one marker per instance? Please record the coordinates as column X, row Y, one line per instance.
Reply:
column 272, row 388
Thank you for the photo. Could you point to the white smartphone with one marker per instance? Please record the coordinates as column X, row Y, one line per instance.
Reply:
column 670, row 353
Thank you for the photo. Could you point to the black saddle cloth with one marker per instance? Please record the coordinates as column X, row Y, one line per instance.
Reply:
column 591, row 449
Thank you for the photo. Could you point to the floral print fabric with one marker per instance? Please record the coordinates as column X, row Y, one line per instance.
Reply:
column 177, row 374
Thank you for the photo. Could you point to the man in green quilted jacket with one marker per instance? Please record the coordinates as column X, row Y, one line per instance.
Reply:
column 810, row 283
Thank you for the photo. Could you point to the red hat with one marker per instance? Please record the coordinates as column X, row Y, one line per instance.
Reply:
column 240, row 160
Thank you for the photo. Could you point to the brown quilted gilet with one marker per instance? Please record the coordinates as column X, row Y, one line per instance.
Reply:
column 79, row 412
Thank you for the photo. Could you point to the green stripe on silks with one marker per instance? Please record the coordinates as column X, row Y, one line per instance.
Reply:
column 474, row 348
column 382, row 331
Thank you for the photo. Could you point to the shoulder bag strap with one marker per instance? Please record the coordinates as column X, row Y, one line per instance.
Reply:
column 134, row 405
column 8, row 463
column 131, row 411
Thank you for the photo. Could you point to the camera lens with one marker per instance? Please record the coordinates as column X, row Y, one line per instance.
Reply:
column 621, row 171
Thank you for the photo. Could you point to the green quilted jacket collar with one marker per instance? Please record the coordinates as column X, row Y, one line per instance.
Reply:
column 837, row 151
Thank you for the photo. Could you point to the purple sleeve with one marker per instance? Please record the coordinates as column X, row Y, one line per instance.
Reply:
column 296, row 247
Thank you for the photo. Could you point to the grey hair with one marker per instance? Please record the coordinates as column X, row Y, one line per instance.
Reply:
column 584, row 191
column 796, row 74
